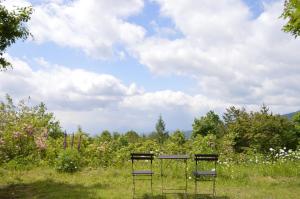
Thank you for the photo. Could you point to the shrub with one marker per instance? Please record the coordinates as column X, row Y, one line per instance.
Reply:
column 68, row 161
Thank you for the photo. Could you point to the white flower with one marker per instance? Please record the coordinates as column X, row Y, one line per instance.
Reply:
column 271, row 149
column 281, row 150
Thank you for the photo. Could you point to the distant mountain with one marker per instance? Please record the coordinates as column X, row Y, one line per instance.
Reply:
column 290, row 115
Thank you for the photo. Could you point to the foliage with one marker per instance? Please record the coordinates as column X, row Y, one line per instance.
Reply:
column 204, row 144
column 31, row 135
column 68, row 161
column 291, row 12
column 296, row 121
column 24, row 130
column 209, row 124
column 132, row 136
column 12, row 27
column 105, row 136
column 259, row 130
column 178, row 138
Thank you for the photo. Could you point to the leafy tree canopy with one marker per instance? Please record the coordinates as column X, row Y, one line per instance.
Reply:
column 259, row 130
column 105, row 136
column 291, row 13
column 178, row 137
column 209, row 124
column 132, row 136
column 12, row 27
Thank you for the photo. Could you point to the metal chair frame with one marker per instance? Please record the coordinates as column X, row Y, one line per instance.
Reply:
column 198, row 174
column 145, row 173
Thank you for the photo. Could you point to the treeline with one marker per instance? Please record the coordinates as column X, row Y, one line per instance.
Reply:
column 31, row 135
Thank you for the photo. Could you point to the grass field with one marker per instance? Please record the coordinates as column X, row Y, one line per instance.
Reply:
column 242, row 181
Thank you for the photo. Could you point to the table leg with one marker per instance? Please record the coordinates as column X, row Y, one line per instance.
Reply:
column 161, row 177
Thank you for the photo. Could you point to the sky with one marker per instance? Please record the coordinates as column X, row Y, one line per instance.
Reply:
column 119, row 64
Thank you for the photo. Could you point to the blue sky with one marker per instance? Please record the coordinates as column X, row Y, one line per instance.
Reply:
column 103, row 64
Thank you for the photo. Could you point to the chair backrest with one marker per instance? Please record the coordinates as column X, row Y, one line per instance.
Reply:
column 206, row 157
column 142, row 156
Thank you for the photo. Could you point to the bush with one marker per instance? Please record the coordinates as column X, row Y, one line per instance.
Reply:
column 68, row 161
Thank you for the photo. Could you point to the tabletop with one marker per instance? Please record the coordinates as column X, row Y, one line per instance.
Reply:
column 175, row 157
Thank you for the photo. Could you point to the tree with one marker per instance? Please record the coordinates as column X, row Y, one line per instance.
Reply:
column 12, row 27
column 116, row 135
column 259, row 130
column 160, row 133
column 132, row 136
column 296, row 121
column 291, row 12
column 178, row 137
column 209, row 124
column 105, row 136
column 237, row 126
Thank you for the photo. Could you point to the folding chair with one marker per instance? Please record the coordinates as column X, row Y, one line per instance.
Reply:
column 202, row 173
column 147, row 174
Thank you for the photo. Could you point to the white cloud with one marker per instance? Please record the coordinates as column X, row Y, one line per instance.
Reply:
column 63, row 88
column 100, row 101
column 94, row 26
column 231, row 55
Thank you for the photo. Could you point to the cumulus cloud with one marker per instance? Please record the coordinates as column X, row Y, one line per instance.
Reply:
column 63, row 88
column 100, row 101
column 231, row 55
column 97, row 27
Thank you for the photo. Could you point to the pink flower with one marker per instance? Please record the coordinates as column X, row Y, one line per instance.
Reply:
column 41, row 143
column 16, row 135
column 29, row 130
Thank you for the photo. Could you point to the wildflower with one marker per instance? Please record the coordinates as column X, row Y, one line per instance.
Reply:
column 271, row 149
column 2, row 142
column 281, row 150
column 29, row 130
column 16, row 135
column 190, row 177
column 40, row 143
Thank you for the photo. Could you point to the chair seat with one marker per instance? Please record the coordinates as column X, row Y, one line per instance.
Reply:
column 204, row 173
column 142, row 172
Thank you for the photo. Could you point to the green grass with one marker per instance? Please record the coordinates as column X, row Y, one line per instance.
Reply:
column 242, row 181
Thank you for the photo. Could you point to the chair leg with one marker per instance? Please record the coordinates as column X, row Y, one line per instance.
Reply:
column 151, row 187
column 214, row 188
column 133, row 186
column 195, row 188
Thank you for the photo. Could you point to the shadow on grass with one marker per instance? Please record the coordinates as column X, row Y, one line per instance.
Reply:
column 183, row 196
column 49, row 189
